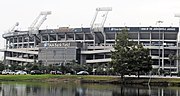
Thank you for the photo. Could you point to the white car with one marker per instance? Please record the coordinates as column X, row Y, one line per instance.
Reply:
column 8, row 72
column 83, row 73
column 21, row 73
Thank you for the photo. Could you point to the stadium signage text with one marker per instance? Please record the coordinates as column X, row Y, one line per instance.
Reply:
column 14, row 33
column 156, row 28
column 58, row 44
column 145, row 29
column 119, row 29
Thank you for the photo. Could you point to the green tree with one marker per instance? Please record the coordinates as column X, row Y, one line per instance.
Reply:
column 2, row 66
column 35, row 67
column 141, row 61
column 120, row 57
column 172, row 57
column 14, row 67
column 129, row 56
column 73, row 67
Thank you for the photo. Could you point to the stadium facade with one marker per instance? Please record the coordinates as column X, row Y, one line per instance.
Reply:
column 57, row 46
column 91, row 45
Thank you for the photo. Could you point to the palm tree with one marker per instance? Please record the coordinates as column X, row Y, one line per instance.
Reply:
column 172, row 57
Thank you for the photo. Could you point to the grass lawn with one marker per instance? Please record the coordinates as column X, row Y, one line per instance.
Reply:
column 88, row 79
column 49, row 76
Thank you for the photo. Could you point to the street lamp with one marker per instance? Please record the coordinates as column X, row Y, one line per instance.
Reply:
column 159, row 22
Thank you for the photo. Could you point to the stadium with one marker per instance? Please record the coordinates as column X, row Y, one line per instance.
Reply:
column 91, row 45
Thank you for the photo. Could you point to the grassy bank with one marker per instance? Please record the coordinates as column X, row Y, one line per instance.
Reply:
column 49, row 77
column 91, row 79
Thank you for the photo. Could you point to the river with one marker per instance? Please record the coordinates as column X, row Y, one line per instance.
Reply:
column 74, row 89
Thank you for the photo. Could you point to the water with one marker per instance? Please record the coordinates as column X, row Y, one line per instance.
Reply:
column 72, row 89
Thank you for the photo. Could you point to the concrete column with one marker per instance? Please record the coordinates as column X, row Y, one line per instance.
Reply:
column 5, row 57
column 159, row 92
column 74, row 37
column 84, row 38
column 13, row 43
column 83, row 59
column 162, row 92
column 28, row 42
column 48, row 37
column 163, row 50
column 17, row 42
column 23, row 41
column 177, row 61
column 6, row 44
column 138, row 37
column 34, row 41
column 41, row 37
column 177, row 92
column 65, row 36
column 94, row 41
column 150, row 36
column 104, row 40
column 115, row 37
column 56, row 37
column 177, row 54
column 93, row 56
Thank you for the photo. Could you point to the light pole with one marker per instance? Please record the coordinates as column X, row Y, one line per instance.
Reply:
column 159, row 50
column 178, row 15
column 178, row 38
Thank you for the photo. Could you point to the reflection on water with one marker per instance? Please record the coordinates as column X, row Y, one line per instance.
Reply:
column 71, row 89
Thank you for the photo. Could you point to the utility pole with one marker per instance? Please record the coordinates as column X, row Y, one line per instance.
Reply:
column 159, row 44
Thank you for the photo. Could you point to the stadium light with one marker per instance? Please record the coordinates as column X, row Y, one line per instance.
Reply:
column 177, row 15
column 178, row 37
column 104, row 9
column 45, row 13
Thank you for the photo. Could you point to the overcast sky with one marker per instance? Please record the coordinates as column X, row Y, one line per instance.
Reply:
column 75, row 13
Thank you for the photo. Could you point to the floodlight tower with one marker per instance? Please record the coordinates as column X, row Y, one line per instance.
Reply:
column 178, row 40
column 34, row 28
column 178, row 15
column 99, row 27
column 12, row 29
